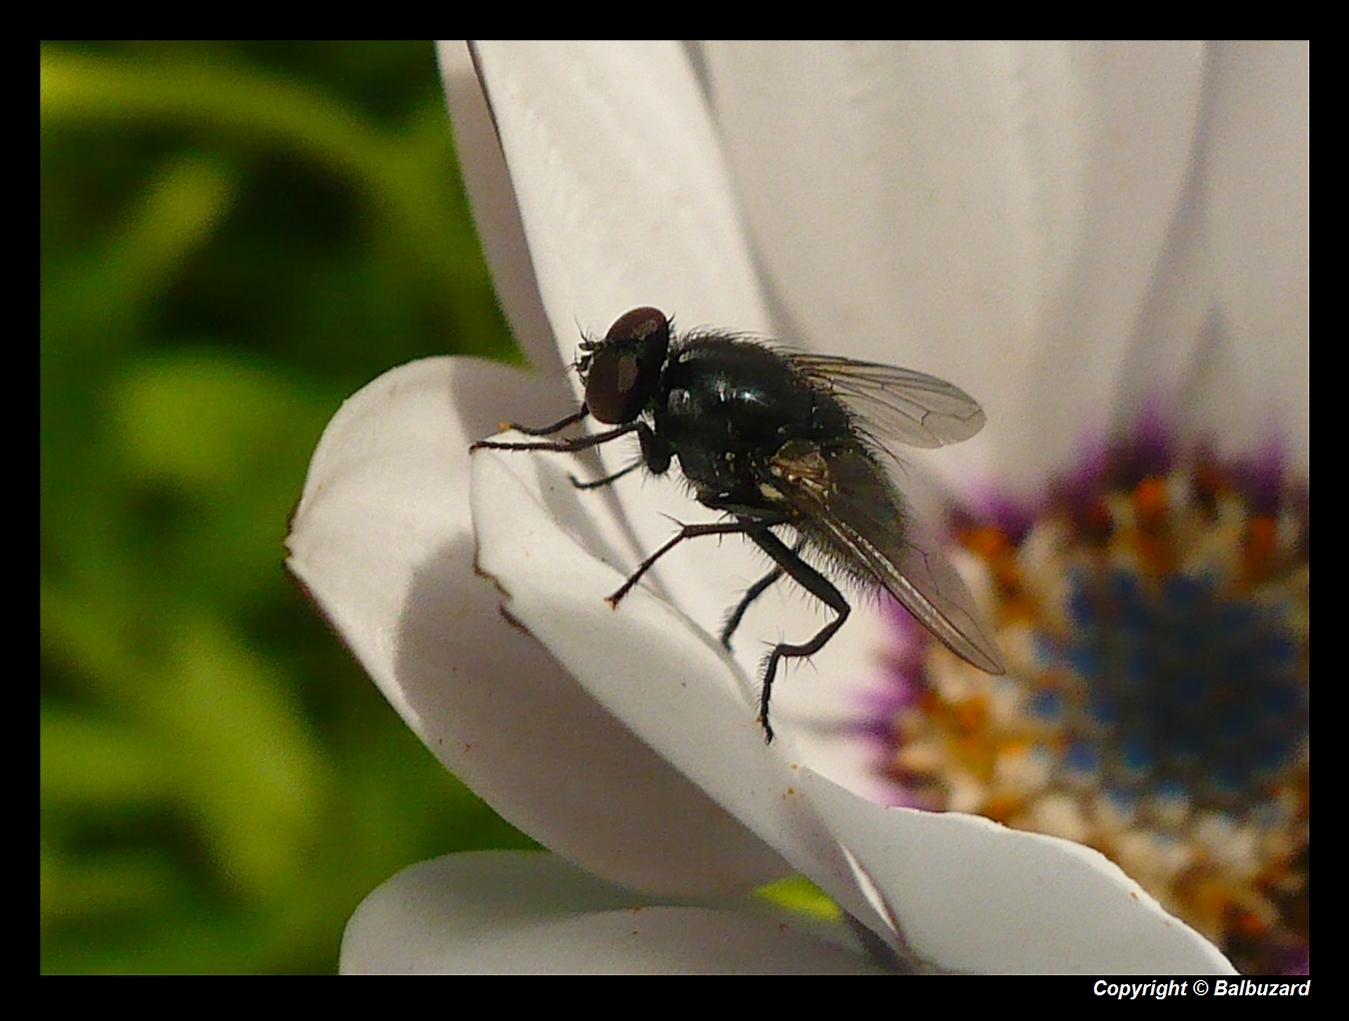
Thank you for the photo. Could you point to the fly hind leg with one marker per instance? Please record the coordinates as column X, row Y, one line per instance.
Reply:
column 752, row 593
column 753, row 527
column 791, row 564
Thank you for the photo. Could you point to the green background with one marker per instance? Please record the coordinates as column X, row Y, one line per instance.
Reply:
column 234, row 237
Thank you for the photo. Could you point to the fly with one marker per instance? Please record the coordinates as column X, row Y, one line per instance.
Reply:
column 778, row 439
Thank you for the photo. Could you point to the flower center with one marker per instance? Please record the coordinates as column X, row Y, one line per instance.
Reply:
column 1181, row 690
column 1155, row 620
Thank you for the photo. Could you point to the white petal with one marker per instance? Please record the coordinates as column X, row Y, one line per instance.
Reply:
column 382, row 539
column 1106, row 353
column 623, row 194
column 496, row 212
column 1258, row 203
column 894, row 189
column 530, row 913
column 970, row 895
column 991, row 213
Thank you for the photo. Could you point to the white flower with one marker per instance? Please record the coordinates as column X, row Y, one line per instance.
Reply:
column 1059, row 229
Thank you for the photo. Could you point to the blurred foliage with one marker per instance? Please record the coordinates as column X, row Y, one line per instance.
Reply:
column 234, row 237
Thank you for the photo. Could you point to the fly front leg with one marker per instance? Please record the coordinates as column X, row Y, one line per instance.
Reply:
column 789, row 560
column 556, row 427
column 561, row 446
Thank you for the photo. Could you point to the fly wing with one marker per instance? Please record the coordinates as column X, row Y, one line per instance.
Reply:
column 847, row 506
column 891, row 403
column 923, row 580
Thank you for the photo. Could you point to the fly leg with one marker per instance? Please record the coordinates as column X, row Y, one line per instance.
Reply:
column 562, row 446
column 791, row 564
column 752, row 593
column 607, row 480
column 741, row 526
column 567, row 446
column 548, row 430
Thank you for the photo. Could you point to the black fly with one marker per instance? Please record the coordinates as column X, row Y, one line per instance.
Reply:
column 774, row 439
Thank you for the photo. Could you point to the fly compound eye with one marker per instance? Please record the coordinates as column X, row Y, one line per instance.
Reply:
column 624, row 371
column 612, row 391
column 639, row 324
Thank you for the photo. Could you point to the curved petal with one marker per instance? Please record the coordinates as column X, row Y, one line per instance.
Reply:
column 383, row 541
column 530, row 913
column 623, row 194
column 496, row 211
column 651, row 666
column 975, row 896
column 908, row 876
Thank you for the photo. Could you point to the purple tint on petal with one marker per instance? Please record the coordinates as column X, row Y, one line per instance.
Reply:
column 880, row 707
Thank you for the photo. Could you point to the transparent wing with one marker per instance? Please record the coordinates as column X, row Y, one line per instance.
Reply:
column 849, row 508
column 899, row 404
column 918, row 574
